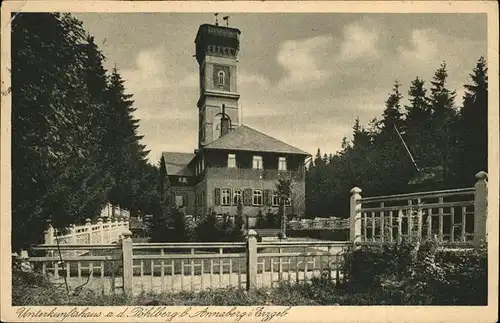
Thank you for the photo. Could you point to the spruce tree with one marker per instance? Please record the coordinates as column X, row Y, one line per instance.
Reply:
column 129, row 156
column 54, row 159
column 443, row 121
column 392, row 115
column 419, row 129
column 473, row 148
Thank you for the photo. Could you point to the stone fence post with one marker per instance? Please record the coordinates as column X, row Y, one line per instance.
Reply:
column 480, row 208
column 88, row 229
column 72, row 233
column 101, row 230
column 355, row 216
column 49, row 235
column 128, row 269
column 251, row 260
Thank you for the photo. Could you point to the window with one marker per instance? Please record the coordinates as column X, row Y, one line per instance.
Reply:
column 221, row 76
column 257, row 197
column 225, row 197
column 276, row 198
column 236, row 197
column 282, row 163
column 179, row 201
column 257, row 162
column 231, row 161
column 183, row 180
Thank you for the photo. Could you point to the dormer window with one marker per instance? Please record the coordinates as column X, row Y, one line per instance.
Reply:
column 221, row 78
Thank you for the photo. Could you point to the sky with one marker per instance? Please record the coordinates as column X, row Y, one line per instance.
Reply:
column 303, row 78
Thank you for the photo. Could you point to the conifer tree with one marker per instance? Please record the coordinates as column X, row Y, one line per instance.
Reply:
column 443, row 121
column 392, row 115
column 128, row 154
column 473, row 147
column 419, row 131
column 73, row 136
column 54, row 156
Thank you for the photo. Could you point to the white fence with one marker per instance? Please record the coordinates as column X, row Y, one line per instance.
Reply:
column 165, row 267
column 332, row 223
column 456, row 216
column 98, row 233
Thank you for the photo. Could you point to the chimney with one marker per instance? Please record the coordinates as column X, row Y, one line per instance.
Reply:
column 224, row 122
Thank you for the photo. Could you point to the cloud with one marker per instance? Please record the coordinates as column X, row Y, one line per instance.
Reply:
column 300, row 59
column 359, row 42
column 149, row 73
column 423, row 46
column 428, row 48
column 160, row 85
column 248, row 79
column 311, row 89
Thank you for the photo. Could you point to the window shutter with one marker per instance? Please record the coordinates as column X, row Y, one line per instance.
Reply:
column 217, row 196
column 231, row 202
column 247, row 196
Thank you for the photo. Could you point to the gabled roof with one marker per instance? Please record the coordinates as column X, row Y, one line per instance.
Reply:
column 176, row 163
column 248, row 139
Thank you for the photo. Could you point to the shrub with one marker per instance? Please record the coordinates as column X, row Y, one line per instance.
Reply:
column 170, row 226
column 419, row 274
column 32, row 288
column 261, row 221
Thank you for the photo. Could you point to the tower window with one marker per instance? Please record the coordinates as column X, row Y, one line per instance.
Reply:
column 221, row 77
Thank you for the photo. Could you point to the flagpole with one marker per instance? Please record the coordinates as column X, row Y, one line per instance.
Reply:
column 406, row 147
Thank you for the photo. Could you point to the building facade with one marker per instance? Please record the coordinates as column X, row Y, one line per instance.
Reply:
column 233, row 162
